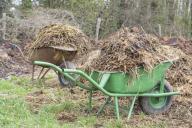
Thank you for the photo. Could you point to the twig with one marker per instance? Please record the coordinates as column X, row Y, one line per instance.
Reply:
column 19, row 51
column 142, row 29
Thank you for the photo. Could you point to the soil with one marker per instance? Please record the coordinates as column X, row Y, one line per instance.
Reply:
column 12, row 61
column 66, row 117
column 37, row 99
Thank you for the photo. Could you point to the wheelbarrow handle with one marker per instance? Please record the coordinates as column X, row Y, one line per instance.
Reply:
column 46, row 64
column 66, row 72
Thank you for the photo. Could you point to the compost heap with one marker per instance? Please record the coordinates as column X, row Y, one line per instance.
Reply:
column 11, row 60
column 178, row 42
column 60, row 35
column 126, row 50
column 180, row 74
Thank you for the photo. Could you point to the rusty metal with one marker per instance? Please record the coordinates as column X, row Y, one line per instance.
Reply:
column 53, row 54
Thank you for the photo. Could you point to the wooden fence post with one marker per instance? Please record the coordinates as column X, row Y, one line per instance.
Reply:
column 159, row 29
column 4, row 26
column 98, row 25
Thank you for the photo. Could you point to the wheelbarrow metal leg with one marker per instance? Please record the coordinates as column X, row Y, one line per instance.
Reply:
column 162, row 84
column 131, row 107
column 90, row 100
column 102, row 107
column 40, row 72
column 45, row 73
column 33, row 71
column 161, row 89
column 116, row 107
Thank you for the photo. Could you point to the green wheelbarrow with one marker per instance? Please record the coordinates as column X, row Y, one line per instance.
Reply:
column 154, row 93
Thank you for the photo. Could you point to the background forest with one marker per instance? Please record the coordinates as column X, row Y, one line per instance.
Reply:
column 101, row 17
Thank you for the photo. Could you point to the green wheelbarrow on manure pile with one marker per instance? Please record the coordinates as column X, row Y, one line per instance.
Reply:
column 153, row 91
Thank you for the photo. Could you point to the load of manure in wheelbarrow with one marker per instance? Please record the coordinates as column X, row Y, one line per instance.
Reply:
column 60, row 35
column 127, row 50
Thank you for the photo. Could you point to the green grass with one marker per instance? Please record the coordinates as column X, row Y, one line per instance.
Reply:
column 115, row 124
column 56, row 108
column 18, row 115
column 87, row 121
column 15, row 110
column 8, row 87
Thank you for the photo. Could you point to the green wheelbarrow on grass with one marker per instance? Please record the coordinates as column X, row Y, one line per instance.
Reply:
column 154, row 93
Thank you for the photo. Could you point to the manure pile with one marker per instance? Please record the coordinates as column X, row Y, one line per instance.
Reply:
column 180, row 73
column 60, row 35
column 127, row 50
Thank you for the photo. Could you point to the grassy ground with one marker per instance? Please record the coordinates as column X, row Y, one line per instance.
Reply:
column 44, row 104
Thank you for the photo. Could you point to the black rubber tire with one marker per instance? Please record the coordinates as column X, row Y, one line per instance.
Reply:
column 147, row 108
column 62, row 80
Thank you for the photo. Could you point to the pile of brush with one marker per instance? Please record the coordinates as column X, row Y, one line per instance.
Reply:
column 127, row 50
column 181, row 71
column 178, row 42
column 60, row 35
column 180, row 75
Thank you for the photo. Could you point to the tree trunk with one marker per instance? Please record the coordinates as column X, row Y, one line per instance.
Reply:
column 98, row 25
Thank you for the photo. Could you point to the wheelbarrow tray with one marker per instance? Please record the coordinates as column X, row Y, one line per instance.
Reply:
column 55, row 55
column 120, row 82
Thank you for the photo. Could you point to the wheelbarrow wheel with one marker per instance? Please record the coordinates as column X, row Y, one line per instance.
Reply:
column 63, row 81
column 156, row 105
